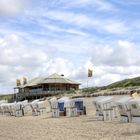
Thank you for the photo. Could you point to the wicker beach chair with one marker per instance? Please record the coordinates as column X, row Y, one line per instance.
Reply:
column 62, row 109
column 8, row 108
column 54, row 109
column 124, row 109
column 41, row 107
column 5, row 109
column 24, row 105
column 71, row 110
column 50, row 101
column 79, row 104
column 18, row 109
column 95, row 104
column 21, row 107
column 135, row 109
column 34, row 107
column 105, row 108
column 1, row 102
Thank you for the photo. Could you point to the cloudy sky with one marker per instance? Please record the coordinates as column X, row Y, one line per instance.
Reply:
column 41, row 37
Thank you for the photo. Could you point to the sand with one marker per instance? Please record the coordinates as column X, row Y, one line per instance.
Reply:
column 64, row 128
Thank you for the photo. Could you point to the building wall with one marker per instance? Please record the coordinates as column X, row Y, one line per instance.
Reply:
column 57, row 86
column 49, row 87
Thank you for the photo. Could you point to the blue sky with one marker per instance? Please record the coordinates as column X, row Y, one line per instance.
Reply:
column 41, row 37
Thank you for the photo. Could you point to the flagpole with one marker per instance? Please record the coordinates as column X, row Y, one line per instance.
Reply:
column 87, row 82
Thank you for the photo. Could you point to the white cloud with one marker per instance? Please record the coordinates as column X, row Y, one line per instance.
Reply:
column 14, row 52
column 129, row 2
column 17, row 60
column 101, row 5
column 125, row 54
column 88, row 65
column 114, row 26
column 55, row 28
column 12, row 7
column 58, row 65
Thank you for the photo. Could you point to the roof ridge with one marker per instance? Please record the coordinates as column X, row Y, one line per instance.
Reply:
column 55, row 75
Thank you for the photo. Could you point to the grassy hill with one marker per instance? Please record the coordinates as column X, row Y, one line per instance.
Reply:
column 134, row 82
column 125, row 83
column 6, row 97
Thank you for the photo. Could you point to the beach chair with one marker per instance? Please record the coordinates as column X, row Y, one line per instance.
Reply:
column 21, row 107
column 24, row 105
column 1, row 102
column 41, row 107
column 95, row 104
column 124, row 109
column 18, row 109
column 54, row 109
column 8, row 108
column 62, row 109
column 34, row 107
column 50, row 101
column 71, row 110
column 135, row 109
column 81, row 109
column 5, row 108
column 105, row 108
column 12, row 108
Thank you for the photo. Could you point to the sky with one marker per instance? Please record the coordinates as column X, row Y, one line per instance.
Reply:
column 42, row 37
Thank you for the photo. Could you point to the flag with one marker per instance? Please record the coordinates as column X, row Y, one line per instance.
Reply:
column 24, row 80
column 18, row 82
column 90, row 72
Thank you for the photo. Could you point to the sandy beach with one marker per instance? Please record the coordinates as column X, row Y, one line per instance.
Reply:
column 64, row 128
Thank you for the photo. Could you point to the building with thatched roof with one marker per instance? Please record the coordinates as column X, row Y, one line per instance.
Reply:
column 54, row 82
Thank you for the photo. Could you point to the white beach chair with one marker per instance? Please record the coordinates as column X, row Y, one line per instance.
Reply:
column 8, row 108
column 105, row 108
column 54, row 109
column 18, row 109
column 24, row 105
column 34, row 107
column 12, row 108
column 124, row 109
column 135, row 109
column 41, row 107
column 62, row 109
column 5, row 108
column 96, row 99
column 71, row 110
column 1, row 102
column 51, row 100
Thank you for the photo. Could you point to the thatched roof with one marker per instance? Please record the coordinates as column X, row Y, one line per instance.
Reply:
column 55, row 78
column 52, row 79
column 34, row 82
